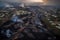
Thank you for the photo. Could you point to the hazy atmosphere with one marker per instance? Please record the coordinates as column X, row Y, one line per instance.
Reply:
column 29, row 19
column 46, row 2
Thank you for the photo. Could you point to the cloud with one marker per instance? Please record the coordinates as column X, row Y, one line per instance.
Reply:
column 13, row 0
column 51, row 2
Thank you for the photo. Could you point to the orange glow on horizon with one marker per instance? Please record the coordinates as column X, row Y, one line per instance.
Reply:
column 39, row 0
column 34, row 1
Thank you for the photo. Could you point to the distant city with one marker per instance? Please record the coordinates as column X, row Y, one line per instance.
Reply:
column 19, row 21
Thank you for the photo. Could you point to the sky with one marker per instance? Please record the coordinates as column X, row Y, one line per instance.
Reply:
column 48, row 2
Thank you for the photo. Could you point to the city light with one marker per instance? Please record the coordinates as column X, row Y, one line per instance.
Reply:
column 29, row 20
